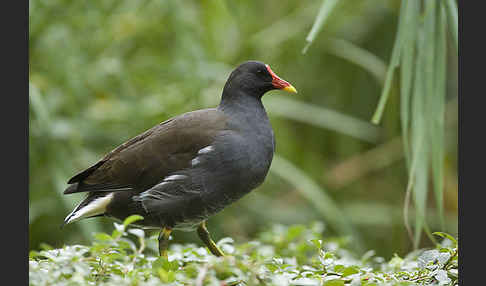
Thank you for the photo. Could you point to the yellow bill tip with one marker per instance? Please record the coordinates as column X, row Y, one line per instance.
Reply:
column 290, row 88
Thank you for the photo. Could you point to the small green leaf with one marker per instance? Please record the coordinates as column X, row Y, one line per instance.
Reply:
column 335, row 282
column 339, row 268
column 131, row 219
column 294, row 231
column 33, row 254
column 445, row 235
column 116, row 233
column 101, row 236
column 350, row 270
column 329, row 255
column 317, row 243
column 45, row 246
column 163, row 275
column 171, row 276
column 271, row 267
column 162, row 262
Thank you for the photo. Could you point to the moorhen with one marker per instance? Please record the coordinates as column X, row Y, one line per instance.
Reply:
column 187, row 168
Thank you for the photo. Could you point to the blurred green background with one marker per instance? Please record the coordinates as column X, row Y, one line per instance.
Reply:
column 102, row 72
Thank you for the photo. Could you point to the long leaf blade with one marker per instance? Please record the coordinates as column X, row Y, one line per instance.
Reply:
column 452, row 20
column 394, row 61
column 418, row 170
column 406, row 75
column 326, row 8
column 359, row 56
column 323, row 118
column 438, row 112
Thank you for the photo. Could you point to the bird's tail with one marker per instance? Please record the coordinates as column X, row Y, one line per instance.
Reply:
column 94, row 205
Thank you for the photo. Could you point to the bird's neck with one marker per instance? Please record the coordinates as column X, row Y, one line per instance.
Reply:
column 240, row 101
column 243, row 107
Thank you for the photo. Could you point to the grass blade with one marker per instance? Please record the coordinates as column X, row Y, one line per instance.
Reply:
column 418, row 171
column 324, row 12
column 395, row 59
column 420, row 190
column 423, row 109
column 323, row 118
column 406, row 75
column 356, row 55
column 437, row 113
column 285, row 28
column 432, row 103
column 452, row 20
column 317, row 196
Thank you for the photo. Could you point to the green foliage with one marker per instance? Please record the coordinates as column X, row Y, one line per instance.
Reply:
column 296, row 255
column 326, row 8
column 420, row 53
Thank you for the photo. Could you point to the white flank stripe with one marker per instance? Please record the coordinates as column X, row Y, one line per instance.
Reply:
column 195, row 161
column 96, row 207
column 205, row 150
column 160, row 185
column 175, row 178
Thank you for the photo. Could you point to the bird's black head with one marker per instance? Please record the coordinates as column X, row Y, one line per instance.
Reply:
column 255, row 78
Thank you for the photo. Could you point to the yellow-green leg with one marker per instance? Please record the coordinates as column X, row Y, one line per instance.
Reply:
column 203, row 233
column 164, row 241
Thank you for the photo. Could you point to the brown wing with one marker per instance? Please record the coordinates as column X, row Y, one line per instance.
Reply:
column 147, row 158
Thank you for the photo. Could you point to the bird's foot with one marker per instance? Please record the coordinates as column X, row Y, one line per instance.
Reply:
column 164, row 241
column 204, row 235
